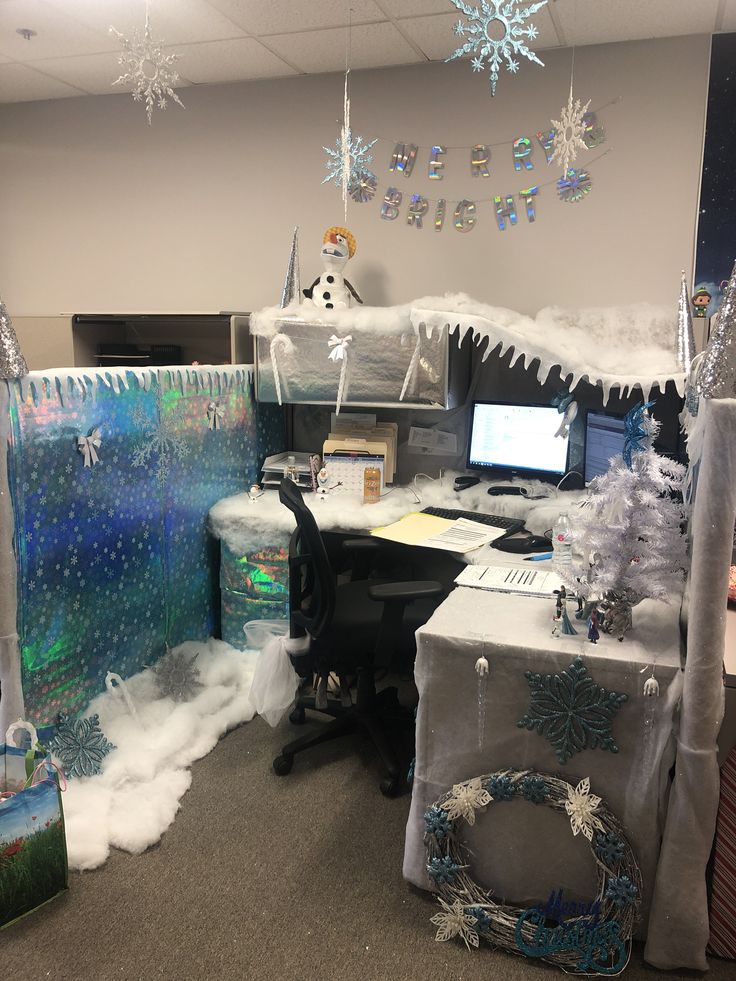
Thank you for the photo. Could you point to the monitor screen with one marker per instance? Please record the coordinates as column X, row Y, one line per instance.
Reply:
column 517, row 439
column 604, row 438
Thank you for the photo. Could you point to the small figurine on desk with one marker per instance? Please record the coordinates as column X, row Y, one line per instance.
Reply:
column 331, row 290
column 323, row 480
column 255, row 491
column 700, row 300
column 561, row 600
column 593, row 632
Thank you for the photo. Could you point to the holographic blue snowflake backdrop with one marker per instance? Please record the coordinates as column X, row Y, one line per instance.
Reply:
column 114, row 559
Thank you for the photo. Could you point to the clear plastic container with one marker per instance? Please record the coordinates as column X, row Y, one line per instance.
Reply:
column 562, row 541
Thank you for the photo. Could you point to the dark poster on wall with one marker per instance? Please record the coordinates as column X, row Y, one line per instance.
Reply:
column 716, row 248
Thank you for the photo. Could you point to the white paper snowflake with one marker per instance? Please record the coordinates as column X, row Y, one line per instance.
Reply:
column 454, row 921
column 485, row 23
column 466, row 797
column 148, row 69
column 569, row 132
column 163, row 441
column 356, row 151
column 581, row 805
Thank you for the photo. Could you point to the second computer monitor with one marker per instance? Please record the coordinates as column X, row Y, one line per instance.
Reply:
column 604, row 438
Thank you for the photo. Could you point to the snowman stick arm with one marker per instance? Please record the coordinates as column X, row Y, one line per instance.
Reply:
column 352, row 290
column 308, row 292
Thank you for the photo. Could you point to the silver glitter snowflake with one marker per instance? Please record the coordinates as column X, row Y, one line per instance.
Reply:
column 496, row 31
column 148, row 69
column 163, row 442
column 574, row 185
column 569, row 132
column 359, row 158
column 80, row 746
column 176, row 676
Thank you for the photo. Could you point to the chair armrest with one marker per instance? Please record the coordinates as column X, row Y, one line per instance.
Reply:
column 404, row 592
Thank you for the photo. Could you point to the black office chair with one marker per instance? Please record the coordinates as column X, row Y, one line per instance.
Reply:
column 355, row 628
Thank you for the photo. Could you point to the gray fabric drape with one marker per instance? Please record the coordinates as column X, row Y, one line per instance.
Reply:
column 11, row 703
column 678, row 924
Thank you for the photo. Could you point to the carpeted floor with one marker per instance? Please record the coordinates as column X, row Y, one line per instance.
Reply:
column 263, row 877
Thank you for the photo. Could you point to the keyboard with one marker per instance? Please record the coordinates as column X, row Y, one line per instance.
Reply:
column 509, row 525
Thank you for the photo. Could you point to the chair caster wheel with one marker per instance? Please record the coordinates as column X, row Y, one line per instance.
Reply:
column 283, row 764
column 389, row 787
column 298, row 716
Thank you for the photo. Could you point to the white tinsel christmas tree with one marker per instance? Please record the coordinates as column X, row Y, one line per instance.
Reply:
column 628, row 538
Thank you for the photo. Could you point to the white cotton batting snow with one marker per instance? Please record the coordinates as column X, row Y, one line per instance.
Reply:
column 136, row 797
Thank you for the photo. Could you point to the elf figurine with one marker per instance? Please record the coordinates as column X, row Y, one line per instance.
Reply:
column 700, row 300
column 331, row 290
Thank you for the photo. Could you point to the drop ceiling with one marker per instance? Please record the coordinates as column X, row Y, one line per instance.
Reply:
column 73, row 52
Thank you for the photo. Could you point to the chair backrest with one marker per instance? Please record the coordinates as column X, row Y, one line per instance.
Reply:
column 311, row 580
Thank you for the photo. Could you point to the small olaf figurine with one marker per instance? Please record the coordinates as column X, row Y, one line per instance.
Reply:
column 331, row 290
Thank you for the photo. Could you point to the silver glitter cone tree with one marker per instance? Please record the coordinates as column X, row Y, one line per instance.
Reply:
column 12, row 362
column 717, row 374
column 291, row 289
column 685, row 333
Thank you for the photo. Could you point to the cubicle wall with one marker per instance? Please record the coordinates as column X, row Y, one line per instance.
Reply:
column 112, row 478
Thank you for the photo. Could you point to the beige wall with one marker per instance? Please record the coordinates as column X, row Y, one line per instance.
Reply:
column 102, row 213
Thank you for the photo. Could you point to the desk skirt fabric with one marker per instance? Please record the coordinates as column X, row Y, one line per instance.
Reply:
column 518, row 850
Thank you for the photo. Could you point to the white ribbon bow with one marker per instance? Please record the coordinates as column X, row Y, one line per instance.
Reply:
column 88, row 445
column 215, row 415
column 339, row 347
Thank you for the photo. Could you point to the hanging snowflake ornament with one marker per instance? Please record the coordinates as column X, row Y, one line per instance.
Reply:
column 569, row 132
column 80, row 746
column 358, row 154
column 581, row 806
column 574, row 185
column 495, row 30
column 176, row 676
column 148, row 69
column 571, row 710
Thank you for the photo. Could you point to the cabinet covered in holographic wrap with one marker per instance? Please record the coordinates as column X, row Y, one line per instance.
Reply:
column 111, row 479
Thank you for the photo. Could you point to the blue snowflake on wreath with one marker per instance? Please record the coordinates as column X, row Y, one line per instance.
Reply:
column 443, row 870
column 500, row 787
column 360, row 158
column 622, row 891
column 491, row 18
column 483, row 921
column 609, row 848
column 80, row 745
column 571, row 710
column 534, row 789
column 437, row 822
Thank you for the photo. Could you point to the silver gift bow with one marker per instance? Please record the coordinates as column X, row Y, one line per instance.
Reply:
column 88, row 445
column 339, row 352
column 216, row 415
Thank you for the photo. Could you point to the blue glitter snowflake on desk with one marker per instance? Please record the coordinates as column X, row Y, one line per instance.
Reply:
column 80, row 745
column 485, row 23
column 571, row 710
column 360, row 158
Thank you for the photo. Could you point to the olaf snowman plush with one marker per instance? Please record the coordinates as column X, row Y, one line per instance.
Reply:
column 331, row 290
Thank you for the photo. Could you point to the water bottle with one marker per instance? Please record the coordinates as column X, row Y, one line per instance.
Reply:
column 562, row 542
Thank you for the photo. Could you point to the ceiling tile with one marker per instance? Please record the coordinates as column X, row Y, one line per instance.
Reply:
column 172, row 21
column 93, row 73
column 373, row 46
column 20, row 83
column 434, row 35
column 263, row 17
column 415, row 8
column 599, row 21
column 57, row 34
column 229, row 61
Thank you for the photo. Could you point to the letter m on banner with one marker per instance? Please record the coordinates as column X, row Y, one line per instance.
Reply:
column 403, row 158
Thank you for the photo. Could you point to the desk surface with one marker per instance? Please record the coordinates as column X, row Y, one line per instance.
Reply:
column 243, row 524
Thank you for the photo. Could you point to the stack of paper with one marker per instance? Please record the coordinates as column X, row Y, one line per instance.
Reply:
column 351, row 426
column 429, row 531
column 274, row 469
column 532, row 582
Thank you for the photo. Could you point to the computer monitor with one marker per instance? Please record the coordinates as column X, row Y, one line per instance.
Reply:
column 517, row 441
column 604, row 438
